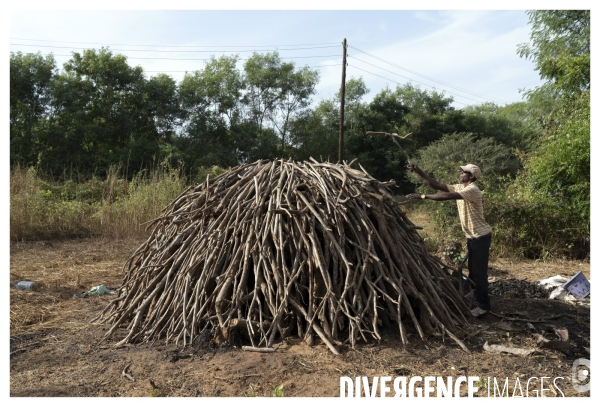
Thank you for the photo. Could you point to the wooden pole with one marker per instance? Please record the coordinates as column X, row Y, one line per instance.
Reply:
column 342, row 102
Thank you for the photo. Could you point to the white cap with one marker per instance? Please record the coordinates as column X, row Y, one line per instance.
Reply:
column 473, row 169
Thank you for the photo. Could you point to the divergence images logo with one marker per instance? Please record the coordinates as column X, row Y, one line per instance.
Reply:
column 581, row 375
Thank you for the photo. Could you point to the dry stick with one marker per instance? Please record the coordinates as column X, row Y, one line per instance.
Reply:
column 261, row 350
column 315, row 326
column 394, row 136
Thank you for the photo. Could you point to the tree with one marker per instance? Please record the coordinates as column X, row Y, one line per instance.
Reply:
column 514, row 125
column 262, row 78
column 559, row 169
column 100, row 116
column 296, row 89
column 315, row 132
column 427, row 116
column 560, row 48
column 379, row 155
column 276, row 92
column 224, row 85
column 553, row 188
column 211, row 99
column 164, row 105
column 31, row 76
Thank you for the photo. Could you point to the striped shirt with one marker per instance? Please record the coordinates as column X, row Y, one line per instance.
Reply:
column 470, row 210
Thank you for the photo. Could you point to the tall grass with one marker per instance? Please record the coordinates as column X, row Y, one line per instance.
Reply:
column 114, row 206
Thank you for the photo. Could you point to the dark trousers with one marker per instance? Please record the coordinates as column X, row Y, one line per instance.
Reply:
column 479, row 253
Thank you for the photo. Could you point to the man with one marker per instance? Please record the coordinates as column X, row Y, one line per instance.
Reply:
column 476, row 229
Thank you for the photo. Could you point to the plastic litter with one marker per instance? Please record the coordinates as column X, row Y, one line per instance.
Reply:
column 95, row 291
column 558, row 292
column 578, row 285
column 24, row 285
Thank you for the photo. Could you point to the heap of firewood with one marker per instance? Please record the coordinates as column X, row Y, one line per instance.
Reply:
column 281, row 248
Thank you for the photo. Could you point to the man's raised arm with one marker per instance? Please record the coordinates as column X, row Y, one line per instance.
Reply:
column 428, row 180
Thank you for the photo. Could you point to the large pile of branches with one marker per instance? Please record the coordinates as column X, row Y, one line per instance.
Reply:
column 279, row 248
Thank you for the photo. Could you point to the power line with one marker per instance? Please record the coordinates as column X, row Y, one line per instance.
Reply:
column 202, row 59
column 310, row 66
column 410, row 79
column 391, row 80
column 427, row 77
column 153, row 50
column 173, row 46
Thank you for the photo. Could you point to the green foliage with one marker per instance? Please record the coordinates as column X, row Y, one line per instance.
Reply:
column 38, row 211
column 559, row 169
column 113, row 138
column 454, row 253
column 101, row 115
column 204, row 172
column 513, row 125
column 315, row 133
column 405, row 110
column 146, row 195
column 277, row 92
column 428, row 116
column 546, row 211
column 550, row 199
column 442, row 158
column 31, row 76
column 560, row 48
column 534, row 229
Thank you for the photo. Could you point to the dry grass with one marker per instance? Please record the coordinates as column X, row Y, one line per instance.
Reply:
column 45, row 209
column 61, row 269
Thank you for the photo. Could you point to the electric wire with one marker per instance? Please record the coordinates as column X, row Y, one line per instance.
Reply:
column 410, row 79
column 203, row 59
column 154, row 50
column 168, row 71
column 173, row 46
column 309, row 66
column 296, row 47
column 427, row 77
column 391, row 80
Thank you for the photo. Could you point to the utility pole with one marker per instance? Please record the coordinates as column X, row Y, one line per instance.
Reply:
column 342, row 102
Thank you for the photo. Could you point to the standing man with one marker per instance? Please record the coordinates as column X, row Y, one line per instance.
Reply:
column 478, row 232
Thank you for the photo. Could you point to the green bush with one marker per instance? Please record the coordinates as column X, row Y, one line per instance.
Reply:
column 442, row 158
column 520, row 228
column 535, row 229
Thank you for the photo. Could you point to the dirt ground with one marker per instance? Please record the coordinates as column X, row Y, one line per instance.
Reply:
column 55, row 351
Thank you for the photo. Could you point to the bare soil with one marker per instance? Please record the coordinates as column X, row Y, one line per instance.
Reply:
column 55, row 351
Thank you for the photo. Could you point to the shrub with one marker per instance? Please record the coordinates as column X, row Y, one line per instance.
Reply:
column 442, row 158
column 535, row 229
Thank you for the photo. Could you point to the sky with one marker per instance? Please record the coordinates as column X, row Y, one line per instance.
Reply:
column 469, row 55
